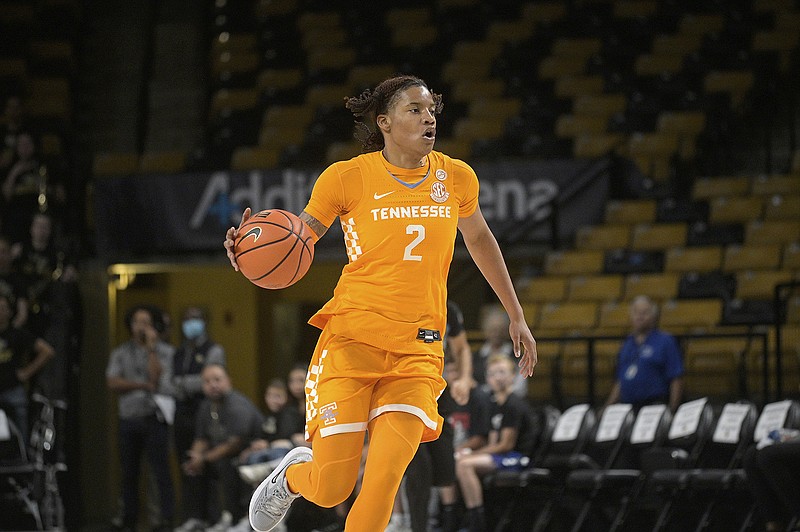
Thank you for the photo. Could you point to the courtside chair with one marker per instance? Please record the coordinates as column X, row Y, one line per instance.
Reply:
column 612, row 489
column 731, row 437
column 720, row 485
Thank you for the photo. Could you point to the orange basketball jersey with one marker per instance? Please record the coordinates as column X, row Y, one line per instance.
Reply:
column 399, row 231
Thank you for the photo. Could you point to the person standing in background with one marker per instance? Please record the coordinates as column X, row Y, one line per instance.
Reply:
column 196, row 351
column 138, row 371
column 649, row 364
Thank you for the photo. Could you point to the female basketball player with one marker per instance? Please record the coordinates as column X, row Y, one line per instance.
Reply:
column 377, row 366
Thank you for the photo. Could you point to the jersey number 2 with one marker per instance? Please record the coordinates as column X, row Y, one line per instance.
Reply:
column 410, row 230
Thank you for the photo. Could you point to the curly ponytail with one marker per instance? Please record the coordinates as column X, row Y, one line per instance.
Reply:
column 369, row 104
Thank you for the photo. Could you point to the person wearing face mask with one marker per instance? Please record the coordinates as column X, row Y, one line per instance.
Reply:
column 195, row 352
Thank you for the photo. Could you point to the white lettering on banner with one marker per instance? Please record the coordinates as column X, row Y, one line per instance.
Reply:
column 729, row 426
column 646, row 424
column 516, row 199
column 412, row 211
column 290, row 194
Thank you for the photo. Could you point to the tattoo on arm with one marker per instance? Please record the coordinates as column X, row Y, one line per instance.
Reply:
column 318, row 227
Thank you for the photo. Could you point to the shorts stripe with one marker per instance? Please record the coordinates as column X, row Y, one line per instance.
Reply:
column 341, row 429
column 413, row 410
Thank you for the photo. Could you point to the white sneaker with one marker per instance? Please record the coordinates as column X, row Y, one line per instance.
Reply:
column 272, row 497
column 192, row 525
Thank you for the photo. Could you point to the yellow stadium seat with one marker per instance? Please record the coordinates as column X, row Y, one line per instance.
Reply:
column 405, row 17
column 270, row 8
column 573, row 262
column 697, row 24
column 773, row 5
column 548, row 289
column 781, row 39
column 614, row 315
column 473, row 129
column 736, row 83
column 658, row 236
column 254, row 158
column 508, row 31
column 709, row 187
column 723, row 209
column 281, row 79
column 554, row 67
column 543, row 12
column 653, row 153
column 115, row 164
column 280, row 115
column 369, row 75
column 233, row 99
column 630, row 211
column 693, row 259
column 686, row 125
column 531, row 312
column 480, row 51
column 494, row 108
column 169, row 162
column 657, row 286
column 634, row 8
column 751, row 257
column 583, row 48
column 772, row 232
column 776, row 184
column 235, row 61
column 599, row 145
column 657, row 64
column 414, row 36
column 458, row 70
column 568, row 316
column 468, row 90
column 793, row 316
column 318, row 19
column 603, row 236
column 782, row 207
column 327, row 95
column 233, row 42
column 571, row 126
column 458, row 148
column 760, row 284
column 279, row 137
column 711, row 365
column 679, row 43
column 791, row 256
column 342, row 151
column 787, row 20
column 330, row 58
column 315, row 38
column 691, row 313
column 599, row 104
column 570, row 87
column 595, row 288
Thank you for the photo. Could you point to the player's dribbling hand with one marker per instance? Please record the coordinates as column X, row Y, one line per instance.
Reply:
column 524, row 347
column 230, row 238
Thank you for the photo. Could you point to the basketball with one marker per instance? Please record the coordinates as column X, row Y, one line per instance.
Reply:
column 274, row 249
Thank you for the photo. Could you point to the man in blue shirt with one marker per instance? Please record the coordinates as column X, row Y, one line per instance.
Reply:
column 649, row 364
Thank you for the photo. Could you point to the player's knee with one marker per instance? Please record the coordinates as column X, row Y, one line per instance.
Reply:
column 334, row 487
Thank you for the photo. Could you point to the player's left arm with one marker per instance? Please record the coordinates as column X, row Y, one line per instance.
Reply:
column 485, row 251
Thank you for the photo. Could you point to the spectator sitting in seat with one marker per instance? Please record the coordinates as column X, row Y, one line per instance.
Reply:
column 509, row 436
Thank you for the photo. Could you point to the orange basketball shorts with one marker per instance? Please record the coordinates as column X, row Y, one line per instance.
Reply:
column 349, row 383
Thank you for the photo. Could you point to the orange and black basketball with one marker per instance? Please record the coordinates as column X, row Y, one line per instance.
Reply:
column 274, row 249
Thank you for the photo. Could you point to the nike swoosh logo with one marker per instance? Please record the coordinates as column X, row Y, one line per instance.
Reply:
column 379, row 196
column 255, row 231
